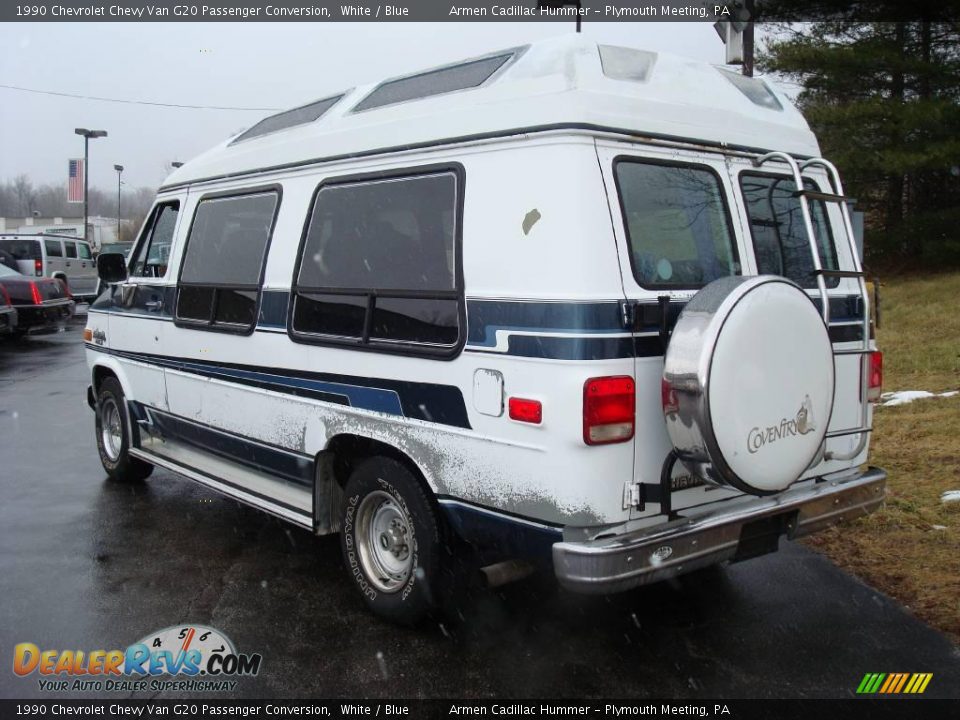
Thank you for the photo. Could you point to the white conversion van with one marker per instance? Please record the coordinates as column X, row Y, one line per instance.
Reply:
column 581, row 307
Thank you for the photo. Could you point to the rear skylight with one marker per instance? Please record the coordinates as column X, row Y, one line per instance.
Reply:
column 434, row 82
column 290, row 118
column 756, row 90
column 620, row 63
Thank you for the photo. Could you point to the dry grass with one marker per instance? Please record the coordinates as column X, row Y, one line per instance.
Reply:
column 911, row 548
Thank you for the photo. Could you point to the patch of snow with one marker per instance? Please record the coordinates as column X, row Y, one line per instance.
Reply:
column 939, row 527
column 902, row 397
column 950, row 497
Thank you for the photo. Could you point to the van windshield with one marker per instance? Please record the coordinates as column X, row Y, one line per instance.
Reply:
column 677, row 223
column 21, row 249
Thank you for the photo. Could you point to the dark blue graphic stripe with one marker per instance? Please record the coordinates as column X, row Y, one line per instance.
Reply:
column 297, row 468
column 442, row 404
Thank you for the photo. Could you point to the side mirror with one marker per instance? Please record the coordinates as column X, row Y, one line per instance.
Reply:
column 112, row 268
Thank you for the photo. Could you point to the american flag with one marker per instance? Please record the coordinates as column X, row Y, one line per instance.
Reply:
column 75, row 182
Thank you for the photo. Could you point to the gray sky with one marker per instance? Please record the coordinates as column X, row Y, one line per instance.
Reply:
column 229, row 64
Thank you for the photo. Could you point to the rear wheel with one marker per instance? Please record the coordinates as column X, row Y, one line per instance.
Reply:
column 390, row 539
column 113, row 435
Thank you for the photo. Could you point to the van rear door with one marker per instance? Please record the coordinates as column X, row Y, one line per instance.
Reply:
column 778, row 241
column 677, row 230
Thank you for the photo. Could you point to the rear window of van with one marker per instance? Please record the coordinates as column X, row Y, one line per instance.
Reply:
column 677, row 224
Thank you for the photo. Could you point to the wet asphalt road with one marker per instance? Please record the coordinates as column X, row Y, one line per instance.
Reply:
column 86, row 563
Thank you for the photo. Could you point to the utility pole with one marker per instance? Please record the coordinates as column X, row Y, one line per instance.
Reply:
column 87, row 134
column 119, row 169
column 748, row 40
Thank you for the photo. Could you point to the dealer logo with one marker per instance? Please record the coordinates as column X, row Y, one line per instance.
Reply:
column 185, row 652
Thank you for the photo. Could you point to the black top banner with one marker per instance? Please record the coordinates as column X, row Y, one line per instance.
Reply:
column 476, row 10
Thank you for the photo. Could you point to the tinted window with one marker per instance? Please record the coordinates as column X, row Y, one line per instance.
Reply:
column 378, row 263
column 393, row 234
column 84, row 251
column 153, row 252
column 224, row 258
column 53, row 247
column 779, row 234
column 71, row 248
column 228, row 239
column 677, row 224
column 436, row 82
column 21, row 249
column 290, row 118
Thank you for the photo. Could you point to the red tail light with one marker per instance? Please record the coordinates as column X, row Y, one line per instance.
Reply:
column 668, row 398
column 5, row 295
column 875, row 377
column 38, row 267
column 530, row 411
column 609, row 410
column 35, row 294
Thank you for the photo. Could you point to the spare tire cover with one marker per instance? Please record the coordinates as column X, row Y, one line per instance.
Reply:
column 748, row 383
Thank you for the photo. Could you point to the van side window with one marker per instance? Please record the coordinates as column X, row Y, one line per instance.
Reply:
column 84, row 251
column 378, row 265
column 153, row 252
column 779, row 236
column 53, row 248
column 222, row 267
column 71, row 248
column 677, row 223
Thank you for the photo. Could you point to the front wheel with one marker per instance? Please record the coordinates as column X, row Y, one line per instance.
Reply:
column 113, row 435
column 390, row 539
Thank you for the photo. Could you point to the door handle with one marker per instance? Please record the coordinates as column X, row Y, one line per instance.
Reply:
column 153, row 304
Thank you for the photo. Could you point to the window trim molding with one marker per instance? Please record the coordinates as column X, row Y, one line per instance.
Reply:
column 746, row 172
column 724, row 198
column 146, row 236
column 395, row 347
column 211, row 325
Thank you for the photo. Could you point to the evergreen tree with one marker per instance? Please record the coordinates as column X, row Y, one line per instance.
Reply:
column 884, row 100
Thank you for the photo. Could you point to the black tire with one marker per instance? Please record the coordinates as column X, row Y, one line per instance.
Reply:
column 411, row 547
column 115, row 449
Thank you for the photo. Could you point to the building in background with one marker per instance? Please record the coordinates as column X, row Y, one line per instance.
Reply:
column 102, row 229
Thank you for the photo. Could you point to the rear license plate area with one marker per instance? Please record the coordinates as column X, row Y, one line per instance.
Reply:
column 762, row 537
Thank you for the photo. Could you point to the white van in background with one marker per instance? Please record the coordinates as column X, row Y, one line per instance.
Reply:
column 581, row 307
column 55, row 256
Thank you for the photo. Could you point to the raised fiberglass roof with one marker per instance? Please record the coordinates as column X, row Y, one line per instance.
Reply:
column 568, row 81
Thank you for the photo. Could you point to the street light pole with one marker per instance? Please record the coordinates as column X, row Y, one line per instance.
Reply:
column 119, row 169
column 87, row 134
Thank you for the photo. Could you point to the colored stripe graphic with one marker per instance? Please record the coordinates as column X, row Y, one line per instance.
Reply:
column 894, row 683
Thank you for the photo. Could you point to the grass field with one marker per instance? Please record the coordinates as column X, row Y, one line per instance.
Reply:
column 911, row 548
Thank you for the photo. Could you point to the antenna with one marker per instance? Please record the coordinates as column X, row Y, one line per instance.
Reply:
column 557, row 4
column 737, row 36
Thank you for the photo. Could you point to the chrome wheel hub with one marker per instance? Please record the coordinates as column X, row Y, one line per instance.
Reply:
column 111, row 429
column 385, row 541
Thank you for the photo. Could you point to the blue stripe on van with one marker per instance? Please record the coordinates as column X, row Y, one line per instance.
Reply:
column 294, row 467
column 441, row 404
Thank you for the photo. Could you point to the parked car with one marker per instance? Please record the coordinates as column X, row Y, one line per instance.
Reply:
column 40, row 303
column 8, row 314
column 45, row 255
column 588, row 308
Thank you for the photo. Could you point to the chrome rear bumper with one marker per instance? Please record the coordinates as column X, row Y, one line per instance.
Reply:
column 655, row 553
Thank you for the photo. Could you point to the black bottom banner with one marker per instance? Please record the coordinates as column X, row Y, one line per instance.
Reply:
column 869, row 709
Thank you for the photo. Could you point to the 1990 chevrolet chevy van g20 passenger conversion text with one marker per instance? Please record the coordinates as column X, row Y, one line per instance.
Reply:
column 584, row 306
